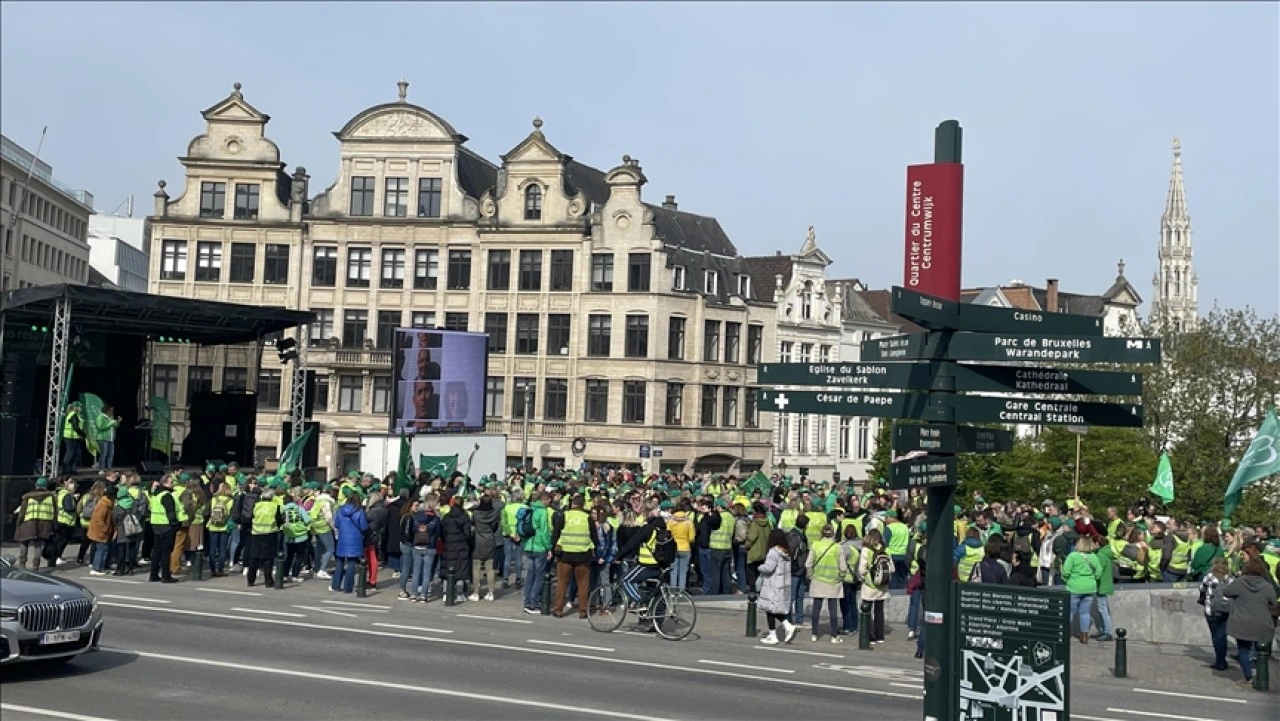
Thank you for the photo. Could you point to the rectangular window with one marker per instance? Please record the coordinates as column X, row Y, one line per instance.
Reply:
column 455, row 321
column 678, row 278
column 243, row 262
column 864, row 439
column 213, row 200
column 556, row 405
column 199, row 380
column 426, row 269
column 350, row 393
column 499, row 270
column 173, row 259
column 359, row 267
column 750, row 409
column 637, row 341
column 362, row 195
column 784, row 433
column 381, row 394
column 495, row 324
column 209, row 261
column 638, row 272
column 802, row 433
column 395, row 198
column 732, row 341
column 599, row 329
column 524, row 392
column 321, row 327
column 429, row 197
column 744, row 286
column 602, row 271
column 710, row 282
column 709, row 406
column 459, row 269
column 675, row 404
column 321, row 403
column 269, row 389
column 806, row 352
column 562, row 270
column 533, row 203
column 844, row 438
column 558, row 334
column 392, row 268
column 527, row 333
column 324, row 266
column 785, row 351
column 275, row 264
column 355, row 328
column 422, row 319
column 824, row 354
column 388, row 321
column 675, row 339
column 633, row 397
column 494, row 391
column 729, row 408
column 823, row 432
column 711, row 341
column 531, row 270
column 235, row 379
column 247, row 201
column 596, row 408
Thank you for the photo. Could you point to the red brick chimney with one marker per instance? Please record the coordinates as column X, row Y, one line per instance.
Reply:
column 1051, row 295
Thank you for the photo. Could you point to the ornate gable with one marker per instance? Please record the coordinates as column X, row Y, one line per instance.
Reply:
column 234, row 108
column 400, row 120
column 534, row 149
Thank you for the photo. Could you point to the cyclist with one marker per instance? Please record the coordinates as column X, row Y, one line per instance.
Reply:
column 642, row 543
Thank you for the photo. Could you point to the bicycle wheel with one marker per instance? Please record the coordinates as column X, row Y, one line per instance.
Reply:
column 607, row 608
column 673, row 613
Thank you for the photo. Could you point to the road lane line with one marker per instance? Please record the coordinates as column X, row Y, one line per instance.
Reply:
column 107, row 580
column 570, row 645
column 134, row 598
column 327, row 610
column 413, row 628
column 492, row 618
column 365, row 606
column 233, row 593
column 792, row 650
column 915, row 686
column 284, row 614
column 49, row 712
column 519, row 649
column 1161, row 715
column 743, row 665
column 1190, row 695
column 1082, row 717
column 412, row 688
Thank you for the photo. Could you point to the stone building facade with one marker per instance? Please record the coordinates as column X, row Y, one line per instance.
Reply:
column 47, row 242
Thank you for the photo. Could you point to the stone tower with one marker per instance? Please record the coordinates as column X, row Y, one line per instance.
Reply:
column 1175, row 280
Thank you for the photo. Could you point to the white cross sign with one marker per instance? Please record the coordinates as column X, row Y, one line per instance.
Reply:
column 781, row 401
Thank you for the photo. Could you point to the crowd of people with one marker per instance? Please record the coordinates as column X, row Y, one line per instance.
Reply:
column 803, row 547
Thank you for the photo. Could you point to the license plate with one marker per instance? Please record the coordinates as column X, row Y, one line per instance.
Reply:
column 64, row 637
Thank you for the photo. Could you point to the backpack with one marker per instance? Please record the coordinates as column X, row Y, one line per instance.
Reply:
column 86, row 511
column 524, row 524
column 798, row 544
column 882, row 568
column 425, row 531
column 130, row 524
column 218, row 514
column 664, row 547
column 247, row 501
column 293, row 525
column 740, row 528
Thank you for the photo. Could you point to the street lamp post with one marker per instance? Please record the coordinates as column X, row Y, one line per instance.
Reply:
column 524, row 442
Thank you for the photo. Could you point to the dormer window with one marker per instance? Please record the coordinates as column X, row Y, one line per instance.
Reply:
column 533, row 203
column 744, row 286
column 678, row 278
column 806, row 300
column 710, row 282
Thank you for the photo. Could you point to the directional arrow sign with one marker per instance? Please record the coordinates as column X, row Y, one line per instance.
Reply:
column 995, row 409
column 845, row 403
column 846, row 375
column 923, row 472
column 919, row 376
column 941, row 313
column 1012, row 347
column 950, row 439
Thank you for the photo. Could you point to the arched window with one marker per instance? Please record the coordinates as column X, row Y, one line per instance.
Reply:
column 1177, row 283
column 806, row 301
column 533, row 203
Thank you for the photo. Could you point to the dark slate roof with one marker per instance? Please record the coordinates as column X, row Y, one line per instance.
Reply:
column 588, row 180
column 1073, row 302
column 856, row 307
column 475, row 174
column 691, row 232
column 878, row 302
column 764, row 271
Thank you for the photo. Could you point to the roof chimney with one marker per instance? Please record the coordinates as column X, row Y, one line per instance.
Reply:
column 777, row 253
column 670, row 203
column 1051, row 295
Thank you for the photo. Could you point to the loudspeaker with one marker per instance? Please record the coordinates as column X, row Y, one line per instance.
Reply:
column 311, row 451
column 150, row 468
column 20, row 439
column 222, row 426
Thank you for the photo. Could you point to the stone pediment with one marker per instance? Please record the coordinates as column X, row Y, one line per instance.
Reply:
column 234, row 109
column 398, row 124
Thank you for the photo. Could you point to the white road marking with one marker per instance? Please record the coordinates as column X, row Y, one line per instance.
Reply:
column 792, row 650
column 1161, row 715
column 135, row 598
column 570, row 645
column 365, row 606
column 502, row 647
column 413, row 628
column 233, row 593
column 327, row 610
column 264, row 612
column 743, row 665
column 412, row 688
column 1190, row 695
column 1082, row 717
column 48, row 712
column 492, row 618
column 636, row 633
column 106, row 580
column 915, row 686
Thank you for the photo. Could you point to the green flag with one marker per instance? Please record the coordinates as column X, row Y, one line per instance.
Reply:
column 1262, row 459
column 757, row 481
column 1163, row 484
column 291, row 459
column 442, row 466
column 161, row 426
column 92, row 409
column 403, row 479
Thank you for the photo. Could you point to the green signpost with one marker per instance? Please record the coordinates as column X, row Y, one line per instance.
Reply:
column 942, row 314
column 1011, row 347
column 938, row 438
column 963, row 409
column 978, row 378
column 922, row 472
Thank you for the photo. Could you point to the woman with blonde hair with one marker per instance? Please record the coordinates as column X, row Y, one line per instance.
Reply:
column 1081, row 573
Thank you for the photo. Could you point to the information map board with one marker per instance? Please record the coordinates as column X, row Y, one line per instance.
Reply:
column 1013, row 653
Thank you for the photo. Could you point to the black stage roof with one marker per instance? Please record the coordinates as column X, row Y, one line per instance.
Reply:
column 142, row 314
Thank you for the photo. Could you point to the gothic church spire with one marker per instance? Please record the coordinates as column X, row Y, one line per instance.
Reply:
column 1175, row 281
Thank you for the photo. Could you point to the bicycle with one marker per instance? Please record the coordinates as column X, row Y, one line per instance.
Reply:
column 670, row 610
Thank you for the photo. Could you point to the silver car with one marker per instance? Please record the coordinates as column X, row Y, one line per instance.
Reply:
column 45, row 618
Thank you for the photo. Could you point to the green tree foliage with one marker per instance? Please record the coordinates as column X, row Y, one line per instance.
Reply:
column 880, row 459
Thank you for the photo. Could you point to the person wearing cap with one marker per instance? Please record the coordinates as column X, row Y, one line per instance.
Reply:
column 36, row 517
column 185, row 499
column 572, row 542
column 72, row 437
column 128, row 515
column 320, row 505
column 166, row 516
column 218, row 528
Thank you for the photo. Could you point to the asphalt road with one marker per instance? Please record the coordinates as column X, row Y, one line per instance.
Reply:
column 200, row 652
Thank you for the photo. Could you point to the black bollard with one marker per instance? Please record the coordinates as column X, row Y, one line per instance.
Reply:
column 546, row 595
column 1122, row 653
column 197, row 565
column 864, row 626
column 278, row 567
column 362, row 577
column 751, row 615
column 1261, row 671
column 451, row 588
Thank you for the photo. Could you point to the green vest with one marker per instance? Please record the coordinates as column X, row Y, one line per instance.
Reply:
column 264, row 518
column 159, row 516
column 1181, row 557
column 68, row 430
column 318, row 524
column 84, row 522
column 921, row 545
column 899, row 537
column 1113, row 526
column 787, row 519
column 1117, row 554
column 826, row 561
column 65, row 517
column 41, row 510
column 813, row 531
column 1273, row 563
column 508, row 523
column 575, row 537
column 294, row 528
column 1154, row 554
column 972, row 557
column 722, row 538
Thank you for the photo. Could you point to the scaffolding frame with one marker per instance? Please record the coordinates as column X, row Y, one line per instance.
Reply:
column 57, row 381
column 298, row 391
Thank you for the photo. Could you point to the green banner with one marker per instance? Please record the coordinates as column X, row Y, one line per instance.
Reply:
column 291, row 459
column 442, row 466
column 1163, row 484
column 757, row 481
column 92, row 409
column 1261, row 460
column 161, row 425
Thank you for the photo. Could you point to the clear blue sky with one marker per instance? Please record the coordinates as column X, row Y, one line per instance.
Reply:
column 771, row 117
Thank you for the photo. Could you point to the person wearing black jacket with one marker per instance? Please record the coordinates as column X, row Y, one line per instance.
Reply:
column 165, row 528
column 242, row 511
column 708, row 521
column 641, row 543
